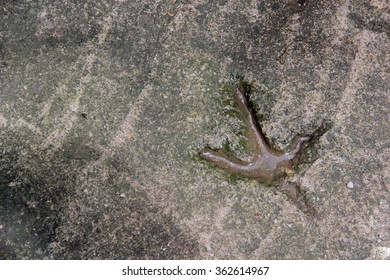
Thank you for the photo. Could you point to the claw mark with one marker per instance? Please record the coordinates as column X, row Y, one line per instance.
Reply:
column 280, row 56
column 266, row 163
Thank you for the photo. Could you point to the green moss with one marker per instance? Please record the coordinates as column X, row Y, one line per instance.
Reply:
column 226, row 145
column 243, row 143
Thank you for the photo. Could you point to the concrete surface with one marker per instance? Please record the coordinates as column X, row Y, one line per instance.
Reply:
column 103, row 105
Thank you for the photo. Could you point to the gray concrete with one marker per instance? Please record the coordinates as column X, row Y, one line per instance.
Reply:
column 104, row 104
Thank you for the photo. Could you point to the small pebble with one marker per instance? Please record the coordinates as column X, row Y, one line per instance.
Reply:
column 122, row 195
column 350, row 185
column 289, row 172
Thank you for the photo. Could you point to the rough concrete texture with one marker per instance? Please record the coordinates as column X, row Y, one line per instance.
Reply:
column 103, row 105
